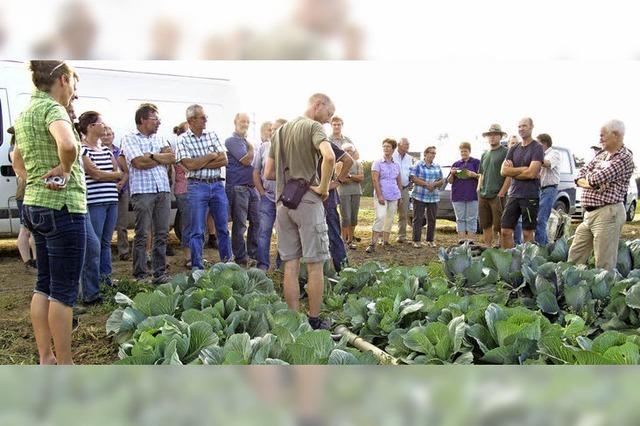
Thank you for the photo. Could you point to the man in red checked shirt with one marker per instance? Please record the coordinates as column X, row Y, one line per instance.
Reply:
column 605, row 181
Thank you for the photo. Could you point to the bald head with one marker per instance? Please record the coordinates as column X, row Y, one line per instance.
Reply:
column 525, row 127
column 320, row 108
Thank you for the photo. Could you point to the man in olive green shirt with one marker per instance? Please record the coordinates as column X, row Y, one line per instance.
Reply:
column 295, row 151
column 492, row 186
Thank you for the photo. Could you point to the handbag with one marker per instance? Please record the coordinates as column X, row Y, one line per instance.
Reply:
column 292, row 193
column 294, row 189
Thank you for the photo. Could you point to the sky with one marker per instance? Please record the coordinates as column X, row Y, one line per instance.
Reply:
column 420, row 100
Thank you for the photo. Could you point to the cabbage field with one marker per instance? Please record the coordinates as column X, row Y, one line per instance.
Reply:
column 520, row 306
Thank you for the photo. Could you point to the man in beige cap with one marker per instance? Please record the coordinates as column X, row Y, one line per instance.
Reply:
column 492, row 186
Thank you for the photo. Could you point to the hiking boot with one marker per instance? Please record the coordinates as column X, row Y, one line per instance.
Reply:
column 416, row 244
column 320, row 324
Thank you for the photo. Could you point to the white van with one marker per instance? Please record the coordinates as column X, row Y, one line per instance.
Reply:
column 115, row 94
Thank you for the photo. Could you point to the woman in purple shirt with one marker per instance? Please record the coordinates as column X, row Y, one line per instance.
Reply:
column 464, row 196
column 387, row 186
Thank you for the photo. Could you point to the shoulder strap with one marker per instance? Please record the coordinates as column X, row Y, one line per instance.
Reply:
column 283, row 169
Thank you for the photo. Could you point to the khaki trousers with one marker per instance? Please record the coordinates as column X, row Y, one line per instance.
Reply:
column 403, row 213
column 599, row 231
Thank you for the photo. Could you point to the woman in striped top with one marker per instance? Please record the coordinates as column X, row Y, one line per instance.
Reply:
column 102, row 175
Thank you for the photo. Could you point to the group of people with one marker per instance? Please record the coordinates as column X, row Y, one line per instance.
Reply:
column 480, row 189
column 78, row 185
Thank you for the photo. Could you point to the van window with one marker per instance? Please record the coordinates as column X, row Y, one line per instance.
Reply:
column 94, row 103
column 565, row 162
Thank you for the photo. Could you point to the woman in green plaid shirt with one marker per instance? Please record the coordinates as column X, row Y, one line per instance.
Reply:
column 55, row 212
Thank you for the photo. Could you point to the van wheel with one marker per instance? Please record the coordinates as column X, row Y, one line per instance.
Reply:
column 561, row 206
column 631, row 212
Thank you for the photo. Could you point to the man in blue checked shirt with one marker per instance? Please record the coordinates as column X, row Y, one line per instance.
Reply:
column 148, row 156
column 427, row 178
column 202, row 155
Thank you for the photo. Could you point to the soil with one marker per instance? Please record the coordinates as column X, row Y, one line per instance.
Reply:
column 90, row 343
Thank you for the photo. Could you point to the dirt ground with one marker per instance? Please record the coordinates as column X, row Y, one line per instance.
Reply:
column 90, row 343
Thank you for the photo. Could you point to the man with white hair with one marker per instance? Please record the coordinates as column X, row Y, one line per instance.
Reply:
column 604, row 182
column 242, row 194
column 203, row 155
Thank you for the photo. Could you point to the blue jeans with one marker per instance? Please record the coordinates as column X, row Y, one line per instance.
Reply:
column 202, row 197
column 466, row 216
column 336, row 245
column 90, row 277
column 103, row 217
column 60, row 238
column 267, row 219
column 243, row 201
column 547, row 198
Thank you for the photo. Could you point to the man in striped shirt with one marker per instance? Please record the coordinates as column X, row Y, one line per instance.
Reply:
column 605, row 181
column 202, row 155
column 147, row 156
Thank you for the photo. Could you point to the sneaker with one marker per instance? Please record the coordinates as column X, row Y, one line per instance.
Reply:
column 162, row 279
column 352, row 246
column 401, row 240
column 247, row 263
column 141, row 278
column 320, row 324
column 370, row 248
column 431, row 244
column 416, row 244
column 30, row 267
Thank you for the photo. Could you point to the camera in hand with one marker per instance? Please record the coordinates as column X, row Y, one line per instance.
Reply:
column 58, row 180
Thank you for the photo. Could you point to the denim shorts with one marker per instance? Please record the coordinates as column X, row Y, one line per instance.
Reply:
column 60, row 239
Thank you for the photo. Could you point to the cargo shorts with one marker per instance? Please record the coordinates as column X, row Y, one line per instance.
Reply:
column 302, row 233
